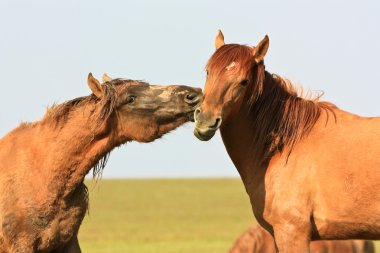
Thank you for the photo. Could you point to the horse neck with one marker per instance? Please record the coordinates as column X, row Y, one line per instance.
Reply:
column 238, row 138
column 266, row 124
column 73, row 147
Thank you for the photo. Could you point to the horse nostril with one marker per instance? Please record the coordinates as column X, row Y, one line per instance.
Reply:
column 192, row 98
column 217, row 123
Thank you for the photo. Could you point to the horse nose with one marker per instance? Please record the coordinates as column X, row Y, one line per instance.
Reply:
column 193, row 98
column 214, row 126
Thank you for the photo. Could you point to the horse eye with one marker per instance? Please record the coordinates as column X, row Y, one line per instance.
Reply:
column 244, row 82
column 130, row 99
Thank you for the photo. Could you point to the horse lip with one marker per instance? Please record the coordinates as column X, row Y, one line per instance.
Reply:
column 203, row 136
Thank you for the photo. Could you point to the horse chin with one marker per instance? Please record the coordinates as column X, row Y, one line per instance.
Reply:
column 203, row 136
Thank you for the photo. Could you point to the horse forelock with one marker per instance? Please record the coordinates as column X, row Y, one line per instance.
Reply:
column 230, row 58
column 229, row 55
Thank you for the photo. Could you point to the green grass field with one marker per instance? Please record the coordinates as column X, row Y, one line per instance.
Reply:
column 165, row 216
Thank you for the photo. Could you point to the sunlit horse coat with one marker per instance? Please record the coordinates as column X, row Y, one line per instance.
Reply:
column 311, row 170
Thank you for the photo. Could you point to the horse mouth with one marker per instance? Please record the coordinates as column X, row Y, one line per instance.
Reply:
column 203, row 136
column 179, row 117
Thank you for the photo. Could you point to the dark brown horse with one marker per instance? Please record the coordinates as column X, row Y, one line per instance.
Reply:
column 311, row 170
column 43, row 164
column 258, row 240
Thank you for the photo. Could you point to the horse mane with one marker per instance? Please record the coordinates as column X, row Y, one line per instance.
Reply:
column 283, row 113
column 59, row 113
column 279, row 115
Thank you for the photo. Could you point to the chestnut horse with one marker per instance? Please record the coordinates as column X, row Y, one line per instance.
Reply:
column 311, row 170
column 43, row 164
column 257, row 240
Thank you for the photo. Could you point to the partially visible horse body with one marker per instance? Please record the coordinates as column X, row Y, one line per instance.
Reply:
column 311, row 170
column 43, row 164
column 258, row 240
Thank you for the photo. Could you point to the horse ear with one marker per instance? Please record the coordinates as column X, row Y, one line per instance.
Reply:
column 106, row 78
column 95, row 86
column 219, row 40
column 261, row 49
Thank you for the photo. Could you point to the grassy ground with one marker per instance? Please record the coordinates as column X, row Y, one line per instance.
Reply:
column 165, row 216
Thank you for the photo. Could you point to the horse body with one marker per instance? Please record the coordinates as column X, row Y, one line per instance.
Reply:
column 352, row 181
column 310, row 169
column 343, row 160
column 43, row 164
column 43, row 198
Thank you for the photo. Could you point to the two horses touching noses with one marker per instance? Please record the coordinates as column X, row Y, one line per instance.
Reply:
column 43, row 164
column 311, row 170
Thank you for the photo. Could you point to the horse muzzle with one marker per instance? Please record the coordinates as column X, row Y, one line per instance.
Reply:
column 204, row 135
column 205, row 125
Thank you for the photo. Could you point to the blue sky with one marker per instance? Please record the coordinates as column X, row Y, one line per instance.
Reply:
column 48, row 47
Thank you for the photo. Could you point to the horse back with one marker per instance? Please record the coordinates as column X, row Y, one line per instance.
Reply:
column 332, row 176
